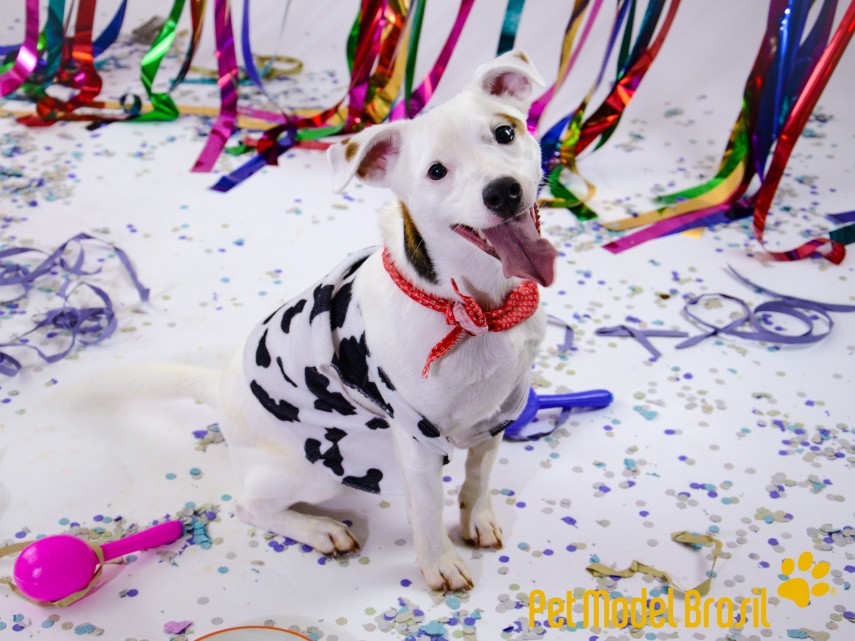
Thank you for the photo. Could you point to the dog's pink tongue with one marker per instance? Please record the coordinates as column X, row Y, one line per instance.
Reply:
column 521, row 249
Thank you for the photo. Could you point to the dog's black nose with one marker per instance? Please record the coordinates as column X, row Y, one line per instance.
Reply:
column 502, row 196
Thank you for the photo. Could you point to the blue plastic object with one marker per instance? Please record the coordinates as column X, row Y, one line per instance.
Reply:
column 589, row 400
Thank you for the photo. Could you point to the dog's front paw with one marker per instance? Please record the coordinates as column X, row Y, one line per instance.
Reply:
column 447, row 573
column 480, row 528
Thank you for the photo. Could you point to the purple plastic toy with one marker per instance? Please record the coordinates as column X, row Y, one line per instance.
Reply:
column 57, row 567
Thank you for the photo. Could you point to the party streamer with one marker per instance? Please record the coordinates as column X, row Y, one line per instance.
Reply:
column 562, row 144
column 27, row 57
column 382, row 52
column 246, row 49
column 569, row 54
column 792, row 67
column 225, row 124
column 510, row 24
column 278, row 139
column 787, row 78
column 84, row 325
column 747, row 324
column 80, row 73
column 163, row 107
column 418, row 98
column 637, row 567
column 378, row 49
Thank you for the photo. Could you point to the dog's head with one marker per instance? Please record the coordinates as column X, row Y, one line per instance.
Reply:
column 467, row 174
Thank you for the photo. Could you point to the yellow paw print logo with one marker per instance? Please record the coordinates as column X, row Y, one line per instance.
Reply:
column 797, row 589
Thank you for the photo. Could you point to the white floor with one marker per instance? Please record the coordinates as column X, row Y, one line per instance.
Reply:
column 714, row 439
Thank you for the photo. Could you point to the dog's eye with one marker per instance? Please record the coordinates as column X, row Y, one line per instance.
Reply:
column 504, row 134
column 437, row 171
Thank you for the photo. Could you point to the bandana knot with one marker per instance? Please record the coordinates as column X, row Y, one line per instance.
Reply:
column 466, row 313
column 465, row 316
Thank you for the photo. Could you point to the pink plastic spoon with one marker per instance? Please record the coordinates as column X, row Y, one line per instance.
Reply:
column 56, row 567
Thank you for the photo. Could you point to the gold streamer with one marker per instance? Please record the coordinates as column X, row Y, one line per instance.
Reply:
column 637, row 567
column 715, row 196
column 296, row 66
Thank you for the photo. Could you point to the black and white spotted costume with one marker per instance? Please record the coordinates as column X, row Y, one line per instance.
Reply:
column 308, row 365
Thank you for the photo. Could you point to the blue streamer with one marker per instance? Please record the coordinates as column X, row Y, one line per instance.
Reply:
column 109, row 35
column 255, row 164
column 843, row 217
column 510, row 25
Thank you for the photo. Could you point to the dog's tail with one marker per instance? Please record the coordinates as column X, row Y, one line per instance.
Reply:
column 170, row 381
column 143, row 383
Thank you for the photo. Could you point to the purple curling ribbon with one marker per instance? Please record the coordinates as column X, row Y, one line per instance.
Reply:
column 567, row 344
column 643, row 336
column 797, row 302
column 85, row 325
column 755, row 319
column 751, row 324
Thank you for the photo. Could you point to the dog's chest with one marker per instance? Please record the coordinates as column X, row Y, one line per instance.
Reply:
column 314, row 368
column 478, row 379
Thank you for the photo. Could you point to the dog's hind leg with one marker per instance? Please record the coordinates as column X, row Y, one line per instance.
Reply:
column 478, row 523
column 274, row 474
column 270, row 491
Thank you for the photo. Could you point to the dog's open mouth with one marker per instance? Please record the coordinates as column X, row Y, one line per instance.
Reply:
column 517, row 244
column 477, row 238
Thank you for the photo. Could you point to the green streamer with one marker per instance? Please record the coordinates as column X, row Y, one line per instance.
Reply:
column 625, row 43
column 418, row 15
column 734, row 155
column 163, row 106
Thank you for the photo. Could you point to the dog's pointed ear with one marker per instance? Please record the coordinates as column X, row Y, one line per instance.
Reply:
column 510, row 77
column 370, row 155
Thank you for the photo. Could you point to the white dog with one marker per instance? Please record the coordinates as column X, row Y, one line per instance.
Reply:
column 371, row 377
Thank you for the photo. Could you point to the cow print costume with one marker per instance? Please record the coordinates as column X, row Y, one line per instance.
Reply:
column 308, row 364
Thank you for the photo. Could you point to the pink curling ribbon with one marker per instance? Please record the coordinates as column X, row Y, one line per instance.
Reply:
column 28, row 56
column 664, row 228
column 227, row 67
column 366, row 53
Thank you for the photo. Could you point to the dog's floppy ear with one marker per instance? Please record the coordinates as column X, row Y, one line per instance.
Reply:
column 510, row 77
column 370, row 155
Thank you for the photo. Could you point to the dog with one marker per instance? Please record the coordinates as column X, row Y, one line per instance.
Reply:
column 371, row 377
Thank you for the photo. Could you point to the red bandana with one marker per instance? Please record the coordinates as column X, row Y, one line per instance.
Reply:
column 465, row 315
